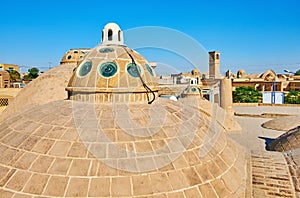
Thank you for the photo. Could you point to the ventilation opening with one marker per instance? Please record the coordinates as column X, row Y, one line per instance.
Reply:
column 217, row 56
column 110, row 34
column 119, row 35
column 3, row 102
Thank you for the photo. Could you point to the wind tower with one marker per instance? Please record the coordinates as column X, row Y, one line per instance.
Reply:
column 214, row 65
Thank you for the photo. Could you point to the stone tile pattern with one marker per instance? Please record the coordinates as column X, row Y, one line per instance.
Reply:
column 287, row 141
column 270, row 175
column 42, row 155
column 293, row 159
column 117, row 88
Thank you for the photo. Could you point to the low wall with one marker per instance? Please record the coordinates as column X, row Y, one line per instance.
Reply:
column 262, row 104
column 7, row 96
column 10, row 91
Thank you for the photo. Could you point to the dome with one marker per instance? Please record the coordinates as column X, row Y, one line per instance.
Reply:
column 241, row 73
column 74, row 55
column 192, row 91
column 195, row 72
column 49, row 86
column 287, row 141
column 113, row 72
column 285, row 123
column 105, row 141
column 56, row 151
column 268, row 75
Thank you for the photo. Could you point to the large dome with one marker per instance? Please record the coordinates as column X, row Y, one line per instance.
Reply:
column 58, row 152
column 106, row 141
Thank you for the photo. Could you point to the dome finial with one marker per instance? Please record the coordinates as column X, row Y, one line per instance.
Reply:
column 112, row 34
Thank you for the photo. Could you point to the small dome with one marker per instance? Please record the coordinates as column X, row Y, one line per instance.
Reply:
column 241, row 73
column 284, row 123
column 287, row 141
column 191, row 92
column 74, row 55
column 268, row 75
column 196, row 72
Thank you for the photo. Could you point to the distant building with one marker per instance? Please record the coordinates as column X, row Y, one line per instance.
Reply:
column 208, row 83
column 267, row 81
column 167, row 80
column 74, row 55
column 4, row 79
column 9, row 67
column 193, row 78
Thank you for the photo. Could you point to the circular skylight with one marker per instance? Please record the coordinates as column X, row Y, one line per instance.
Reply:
column 106, row 50
column 149, row 69
column 134, row 70
column 85, row 68
column 108, row 69
column 193, row 89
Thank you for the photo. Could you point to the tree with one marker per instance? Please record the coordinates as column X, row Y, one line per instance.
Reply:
column 14, row 75
column 26, row 78
column 293, row 97
column 246, row 94
column 33, row 73
column 297, row 73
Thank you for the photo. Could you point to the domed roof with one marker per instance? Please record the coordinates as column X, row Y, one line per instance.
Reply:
column 195, row 72
column 111, row 67
column 285, row 123
column 241, row 73
column 287, row 141
column 107, row 142
column 49, row 86
column 268, row 75
column 74, row 55
column 113, row 72
column 56, row 151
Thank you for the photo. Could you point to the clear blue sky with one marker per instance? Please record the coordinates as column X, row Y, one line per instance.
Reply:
column 254, row 35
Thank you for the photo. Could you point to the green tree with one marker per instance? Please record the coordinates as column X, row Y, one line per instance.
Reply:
column 297, row 73
column 33, row 73
column 14, row 75
column 293, row 97
column 26, row 78
column 246, row 94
